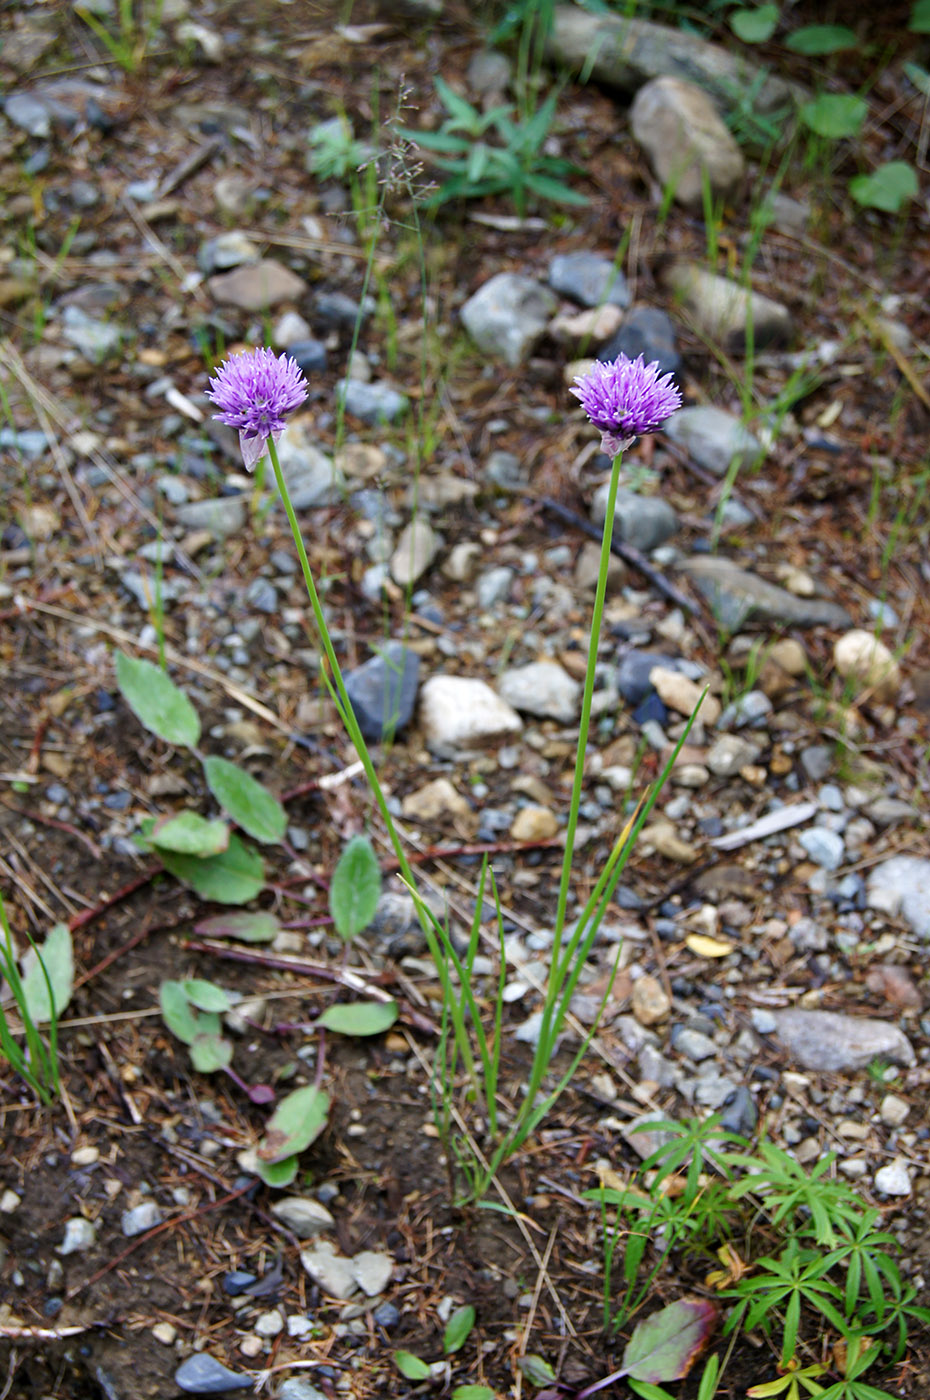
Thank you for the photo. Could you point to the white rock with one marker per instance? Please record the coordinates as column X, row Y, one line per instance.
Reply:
column 686, row 140
column 902, row 885
column 894, row 1111
column 894, row 1179
column 416, row 549
column 713, row 437
column 534, row 824
column 79, row 1235
column 457, row 711
column 9, row 1202
column 304, row 1216
column 332, row 1271
column 372, row 1271
column 269, row 1324
column 508, row 315
column 542, row 688
column 862, row 657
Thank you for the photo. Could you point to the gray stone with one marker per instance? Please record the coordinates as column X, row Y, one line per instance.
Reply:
column 232, row 249
column 633, row 674
column 233, row 194
column 622, row 52
column 223, row 516
column 646, row 331
column 310, row 355
column 889, row 811
column 298, row 1388
column 695, row 1044
column 724, row 310
column 750, row 708
column 338, row 311
column 79, row 1235
column 504, row 469
column 201, row 1374
column 901, row 885
column 383, row 691
column 824, row 847
column 508, row 315
column 310, row 475
column 30, row 443
column 737, row 596
column 645, row 1140
column 140, row 1218
column 304, row 1216
column 588, row 278
column 644, row 522
column 714, row 438
column 329, row 1269
column 372, row 403
column 488, row 72
column 257, row 286
column 729, row 754
column 95, row 340
column 416, row 549
column 817, row 761
column 372, row 1271
column 542, row 688
column 29, row 114
column 493, row 586
column 687, row 142
column 459, row 711
column 830, row 1041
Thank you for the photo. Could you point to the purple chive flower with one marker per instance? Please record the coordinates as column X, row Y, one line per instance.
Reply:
column 625, row 398
column 255, row 391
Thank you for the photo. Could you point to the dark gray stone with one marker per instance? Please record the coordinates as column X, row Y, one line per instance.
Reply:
column 338, row 311
column 739, row 1112
column 633, row 680
column 649, row 332
column 588, row 278
column 200, row 1374
column 383, row 691
column 737, row 597
column 373, row 403
column 309, row 354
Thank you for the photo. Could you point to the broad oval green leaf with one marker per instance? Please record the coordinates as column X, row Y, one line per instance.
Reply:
column 296, row 1122
column 189, row 834
column 458, row 1328
column 235, row 876
column 57, row 957
column 888, row 188
column 665, row 1345
column 259, row 927
column 205, row 996
column 411, row 1366
column 920, row 17
column 243, row 798
column 210, row 1053
column 755, row 26
column 537, row 1369
column 814, row 40
column 156, row 701
column 277, row 1174
column 181, row 1018
column 355, row 888
column 835, row 115
column 360, row 1017
column 473, row 1392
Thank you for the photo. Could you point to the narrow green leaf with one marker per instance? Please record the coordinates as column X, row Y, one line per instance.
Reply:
column 205, row 996
column 189, row 834
column 243, row 798
column 355, row 888
column 156, row 701
column 360, row 1017
column 835, row 115
column 296, row 1122
column 755, row 26
column 259, row 927
column 235, row 876
column 814, row 40
column 57, row 954
column 411, row 1366
column 210, row 1053
column 888, row 188
column 665, row 1345
column 458, row 1328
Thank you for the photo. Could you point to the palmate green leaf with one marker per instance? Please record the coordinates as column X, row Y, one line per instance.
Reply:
column 355, row 888
column 360, row 1018
column 666, row 1344
column 260, row 926
column 156, row 701
column 57, row 954
column 458, row 1329
column 243, row 798
column 210, row 1053
column 835, row 115
column 235, row 876
column 411, row 1366
column 888, row 188
column 296, row 1122
column 755, row 26
column 814, row 40
column 189, row 834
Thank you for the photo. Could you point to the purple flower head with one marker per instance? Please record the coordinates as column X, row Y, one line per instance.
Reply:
column 625, row 398
column 255, row 391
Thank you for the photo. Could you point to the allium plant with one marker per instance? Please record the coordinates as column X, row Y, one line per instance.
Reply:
column 254, row 392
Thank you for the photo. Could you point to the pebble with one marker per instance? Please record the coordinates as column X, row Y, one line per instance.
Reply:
column 730, row 753
column 95, row 340
column 724, row 310
column 269, row 1324
column 746, row 710
column 646, row 331
column 714, row 438
column 901, row 885
column 386, row 1315
column 434, row 800
column 825, row 848
column 332, row 1271
column 292, row 329
column 223, row 516
column 457, row 711
column 894, row 1111
column 309, row 473
column 633, row 674
column 645, row 522
column 686, row 140
column 374, row 402
column 257, row 286
column 650, row 1001
column 493, row 586
column 763, row 1021
column 695, row 1044
column 735, row 595
column 28, row 114
column 893, row 1179
column 79, row 1236
column 863, row 658
column 683, row 695
column 830, row 1041
column 165, row 1332
column 534, row 823
column 488, row 72
column 544, row 689
column 310, row 354
column 227, row 250
column 383, row 691
column 9, row 1202
column 590, row 279
column 299, row 1388
column 508, row 315
column 140, row 1218
column 304, row 1216
column 372, row 1271
column 201, row 1374
column 587, row 327
column 738, row 1112
column 665, row 841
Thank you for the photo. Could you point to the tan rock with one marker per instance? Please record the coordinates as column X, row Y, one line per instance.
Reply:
column 534, row 824
column 257, row 286
column 859, row 656
column 597, row 325
column 436, row 799
column 650, row 1001
column 662, row 837
column 683, row 695
column 686, row 140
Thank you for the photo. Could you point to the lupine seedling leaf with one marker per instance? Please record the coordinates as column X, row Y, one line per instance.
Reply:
column 888, row 188
column 259, row 927
column 835, row 115
column 210, row 1053
column 458, row 1328
column 665, row 1345
column 156, row 701
column 755, row 26
column 277, row 1174
column 243, row 798
column 473, row 1392
column 205, row 996
column 183, row 1019
column 296, row 1122
column 411, row 1366
column 189, row 834
column 57, row 954
column 235, row 876
column 816, row 39
column 536, row 1369
column 360, row 1017
column 355, row 888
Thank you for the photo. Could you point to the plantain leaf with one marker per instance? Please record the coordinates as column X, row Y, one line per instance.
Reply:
column 296, row 1122
column 181, row 1018
column 260, row 926
column 210, row 1053
column 411, row 1366
column 57, row 955
column 458, row 1328
column 156, row 701
column 205, row 996
column 277, row 1174
column 243, row 798
column 355, row 888
column 359, row 1017
column 234, row 876
column 665, row 1345
column 189, row 834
